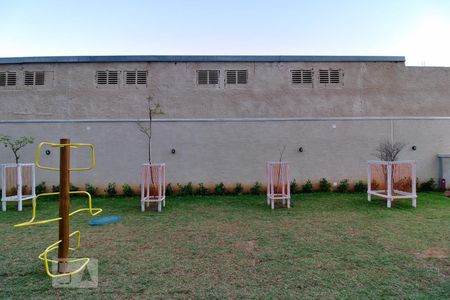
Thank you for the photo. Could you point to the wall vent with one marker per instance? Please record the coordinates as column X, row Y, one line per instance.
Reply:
column 237, row 76
column 141, row 77
column 136, row 77
column 34, row 78
column 208, row 77
column 331, row 76
column 302, row 76
column 8, row 78
column 107, row 77
column 335, row 76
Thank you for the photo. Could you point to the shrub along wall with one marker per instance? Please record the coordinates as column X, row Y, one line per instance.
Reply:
column 257, row 188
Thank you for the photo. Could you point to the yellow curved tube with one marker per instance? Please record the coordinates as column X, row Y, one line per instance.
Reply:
column 75, row 145
column 44, row 256
column 92, row 211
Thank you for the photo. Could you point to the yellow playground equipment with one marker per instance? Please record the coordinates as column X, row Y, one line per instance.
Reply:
column 63, row 244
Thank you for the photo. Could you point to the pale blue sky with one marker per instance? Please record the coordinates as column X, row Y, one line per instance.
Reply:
column 419, row 30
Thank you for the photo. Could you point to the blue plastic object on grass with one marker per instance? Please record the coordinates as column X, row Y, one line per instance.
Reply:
column 104, row 220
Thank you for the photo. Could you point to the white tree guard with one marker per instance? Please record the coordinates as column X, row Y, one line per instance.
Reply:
column 392, row 180
column 18, row 183
column 278, row 183
column 153, row 185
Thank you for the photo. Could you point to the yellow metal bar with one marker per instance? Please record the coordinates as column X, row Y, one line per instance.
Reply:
column 74, row 145
column 92, row 211
column 44, row 256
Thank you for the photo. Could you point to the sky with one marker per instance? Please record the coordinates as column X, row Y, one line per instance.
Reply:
column 418, row 30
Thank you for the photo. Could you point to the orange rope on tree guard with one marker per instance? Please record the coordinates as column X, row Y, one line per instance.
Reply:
column 278, row 183
column 153, row 185
column 392, row 180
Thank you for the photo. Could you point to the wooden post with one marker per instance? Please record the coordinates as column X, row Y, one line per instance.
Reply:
column 64, row 203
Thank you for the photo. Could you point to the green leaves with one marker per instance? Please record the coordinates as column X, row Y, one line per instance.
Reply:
column 16, row 144
column 154, row 107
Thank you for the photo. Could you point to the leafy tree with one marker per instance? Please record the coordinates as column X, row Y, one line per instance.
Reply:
column 16, row 144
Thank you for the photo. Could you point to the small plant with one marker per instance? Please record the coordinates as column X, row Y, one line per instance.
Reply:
column 127, row 190
column 256, row 189
column 90, row 189
column 294, row 187
column 16, row 144
column 111, row 189
column 202, row 190
column 360, row 187
column 307, row 187
column 186, row 190
column 238, row 189
column 153, row 109
column 324, row 185
column 219, row 189
column 55, row 188
column 169, row 190
column 41, row 188
column 428, row 186
column 343, row 186
column 73, row 188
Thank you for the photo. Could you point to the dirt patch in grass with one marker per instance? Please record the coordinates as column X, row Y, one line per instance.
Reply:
column 279, row 204
column 153, row 206
column 434, row 251
column 249, row 248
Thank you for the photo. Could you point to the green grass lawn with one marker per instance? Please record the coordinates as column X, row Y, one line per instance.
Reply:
column 326, row 246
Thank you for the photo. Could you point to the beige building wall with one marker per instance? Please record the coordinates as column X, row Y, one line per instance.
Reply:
column 368, row 89
column 226, row 133
column 235, row 151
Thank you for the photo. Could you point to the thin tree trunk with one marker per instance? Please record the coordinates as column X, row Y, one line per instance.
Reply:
column 150, row 136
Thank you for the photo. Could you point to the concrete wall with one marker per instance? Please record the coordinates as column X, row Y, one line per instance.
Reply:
column 235, row 151
column 369, row 89
column 226, row 133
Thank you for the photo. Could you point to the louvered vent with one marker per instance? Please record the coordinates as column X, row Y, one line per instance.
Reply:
column 29, row 78
column 213, row 77
column 136, row 77
column 335, row 76
column 142, row 77
column 332, row 76
column 237, row 76
column 102, row 77
column 324, row 76
column 302, row 76
column 113, row 77
column 2, row 78
column 242, row 76
column 130, row 77
column 39, row 78
column 107, row 77
column 11, row 78
column 208, row 77
column 34, row 78
column 202, row 77
column 231, row 77
column 8, row 78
